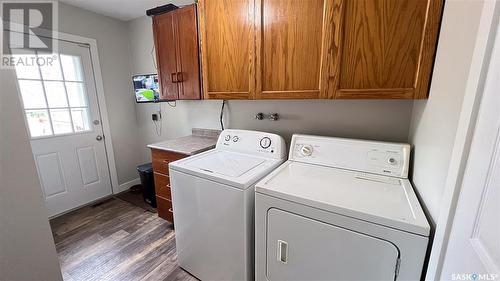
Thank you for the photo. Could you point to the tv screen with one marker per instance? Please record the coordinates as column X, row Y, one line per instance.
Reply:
column 146, row 88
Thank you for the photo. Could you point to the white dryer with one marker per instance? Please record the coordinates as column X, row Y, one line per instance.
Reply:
column 340, row 209
column 213, row 203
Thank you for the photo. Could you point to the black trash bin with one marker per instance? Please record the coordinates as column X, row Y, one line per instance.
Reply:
column 148, row 183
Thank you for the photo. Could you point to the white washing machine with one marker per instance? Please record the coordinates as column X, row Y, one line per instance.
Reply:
column 340, row 209
column 213, row 203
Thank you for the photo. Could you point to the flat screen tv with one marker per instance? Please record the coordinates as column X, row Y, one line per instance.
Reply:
column 146, row 88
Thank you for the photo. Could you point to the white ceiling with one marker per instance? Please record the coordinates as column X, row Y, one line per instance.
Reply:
column 122, row 9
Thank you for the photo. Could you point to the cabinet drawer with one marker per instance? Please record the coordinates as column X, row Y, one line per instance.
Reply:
column 162, row 186
column 162, row 158
column 164, row 208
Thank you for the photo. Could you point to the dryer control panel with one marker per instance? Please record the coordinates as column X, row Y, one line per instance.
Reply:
column 383, row 158
column 252, row 142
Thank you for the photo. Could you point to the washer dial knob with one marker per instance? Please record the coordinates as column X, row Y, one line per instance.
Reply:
column 227, row 138
column 236, row 138
column 306, row 150
column 265, row 142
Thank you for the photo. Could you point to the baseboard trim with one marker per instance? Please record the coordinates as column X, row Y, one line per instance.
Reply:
column 125, row 186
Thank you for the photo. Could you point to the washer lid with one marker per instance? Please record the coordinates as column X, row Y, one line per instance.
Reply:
column 226, row 163
column 231, row 168
column 378, row 199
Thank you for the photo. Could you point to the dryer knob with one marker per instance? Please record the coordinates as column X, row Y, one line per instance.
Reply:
column 306, row 150
column 392, row 161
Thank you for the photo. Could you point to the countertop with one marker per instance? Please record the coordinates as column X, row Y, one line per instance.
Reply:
column 200, row 140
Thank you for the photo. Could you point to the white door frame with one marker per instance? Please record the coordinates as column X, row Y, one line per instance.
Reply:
column 470, row 107
column 101, row 100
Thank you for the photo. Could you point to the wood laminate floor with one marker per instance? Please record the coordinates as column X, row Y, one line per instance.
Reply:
column 115, row 240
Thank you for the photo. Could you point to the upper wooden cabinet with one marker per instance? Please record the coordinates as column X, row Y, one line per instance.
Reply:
column 176, row 43
column 297, row 49
column 387, row 48
column 228, row 48
column 289, row 44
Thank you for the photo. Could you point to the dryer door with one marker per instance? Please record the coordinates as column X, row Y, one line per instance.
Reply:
column 299, row 248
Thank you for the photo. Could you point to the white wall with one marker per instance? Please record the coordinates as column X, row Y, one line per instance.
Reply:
column 114, row 55
column 27, row 249
column 383, row 120
column 434, row 121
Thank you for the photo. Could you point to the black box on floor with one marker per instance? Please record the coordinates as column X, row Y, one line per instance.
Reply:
column 148, row 183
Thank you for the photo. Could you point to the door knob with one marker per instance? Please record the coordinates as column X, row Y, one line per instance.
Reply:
column 99, row 138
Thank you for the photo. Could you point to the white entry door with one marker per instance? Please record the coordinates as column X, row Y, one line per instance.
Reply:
column 473, row 251
column 63, row 119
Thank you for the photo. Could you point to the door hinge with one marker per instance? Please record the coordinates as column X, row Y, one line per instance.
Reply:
column 398, row 266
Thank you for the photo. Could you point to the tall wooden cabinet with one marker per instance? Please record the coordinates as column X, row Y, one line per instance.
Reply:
column 298, row 49
column 177, row 54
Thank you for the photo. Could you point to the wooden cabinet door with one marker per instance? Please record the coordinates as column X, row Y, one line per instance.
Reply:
column 228, row 46
column 387, row 48
column 292, row 55
column 188, row 65
column 164, row 37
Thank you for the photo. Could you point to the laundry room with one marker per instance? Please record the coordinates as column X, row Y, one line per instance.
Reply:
column 249, row 140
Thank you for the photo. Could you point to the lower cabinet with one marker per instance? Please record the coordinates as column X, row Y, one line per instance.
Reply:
column 161, row 159
column 165, row 209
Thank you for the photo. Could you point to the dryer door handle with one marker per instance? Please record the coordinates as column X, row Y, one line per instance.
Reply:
column 282, row 251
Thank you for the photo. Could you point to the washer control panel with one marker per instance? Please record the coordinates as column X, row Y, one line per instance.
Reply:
column 252, row 142
column 374, row 157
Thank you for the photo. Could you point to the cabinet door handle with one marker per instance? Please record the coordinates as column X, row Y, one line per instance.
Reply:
column 180, row 77
column 170, row 210
column 282, row 251
column 173, row 77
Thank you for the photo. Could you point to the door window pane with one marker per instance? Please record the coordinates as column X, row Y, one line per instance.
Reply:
column 72, row 68
column 27, row 69
column 32, row 93
column 61, row 121
column 52, row 69
column 38, row 123
column 76, row 94
column 81, row 119
column 56, row 94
